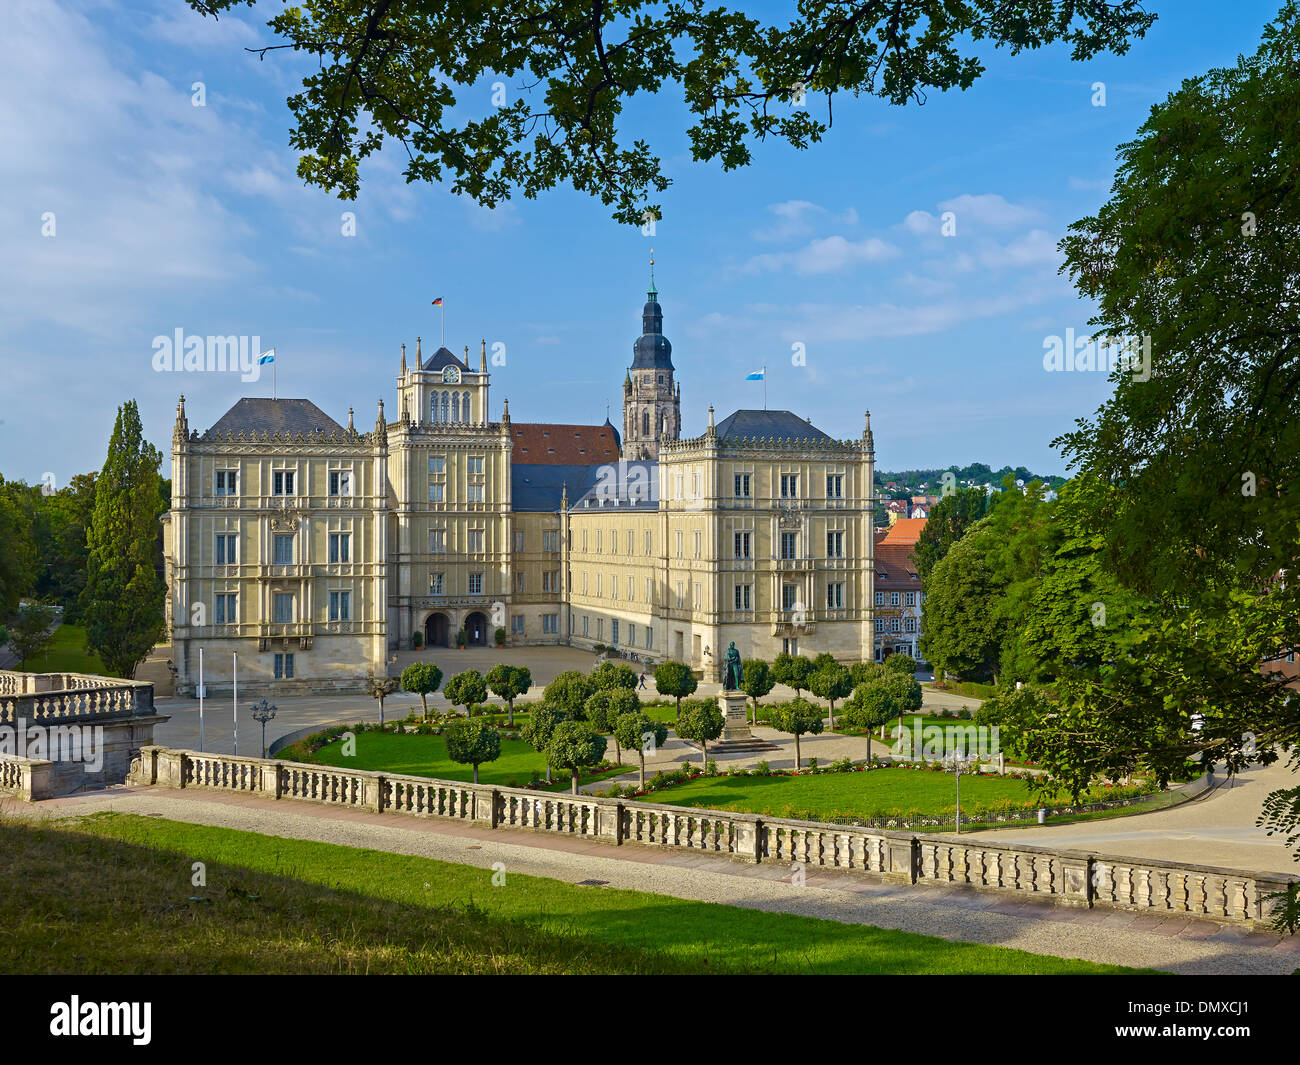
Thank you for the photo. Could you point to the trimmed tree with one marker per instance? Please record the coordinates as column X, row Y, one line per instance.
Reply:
column 122, row 603
column 570, row 691
column 509, row 682
column 865, row 672
column 422, row 678
column 904, row 664
column 831, row 682
column 466, row 689
column 797, row 717
column 906, row 690
column 675, row 680
column 756, row 681
column 32, row 632
column 604, row 707
column 380, row 688
column 871, row 707
column 699, row 721
column 472, row 743
column 792, row 670
column 638, row 732
column 613, row 675
column 538, row 728
column 575, row 745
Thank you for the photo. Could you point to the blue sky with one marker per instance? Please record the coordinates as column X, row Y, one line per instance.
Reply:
column 170, row 216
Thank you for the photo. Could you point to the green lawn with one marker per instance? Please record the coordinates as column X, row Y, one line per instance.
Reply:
column 426, row 756
column 67, row 654
column 878, row 794
column 114, row 893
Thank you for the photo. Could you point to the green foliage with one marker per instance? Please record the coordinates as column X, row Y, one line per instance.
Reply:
column 18, row 560
column 756, row 681
column 798, row 717
column 536, row 731
column 641, row 733
column 472, row 743
column 736, row 75
column 700, row 720
column 606, row 705
column 570, row 691
column 792, row 670
column 508, row 683
column 904, row 664
column 499, row 636
column 32, row 632
column 465, row 689
column 675, row 680
column 863, row 672
column 823, row 661
column 575, row 746
column 906, row 690
column 122, row 603
column 948, row 522
column 422, row 678
column 831, row 682
column 614, row 675
column 872, row 704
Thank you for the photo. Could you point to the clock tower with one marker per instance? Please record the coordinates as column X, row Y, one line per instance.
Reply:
column 651, row 398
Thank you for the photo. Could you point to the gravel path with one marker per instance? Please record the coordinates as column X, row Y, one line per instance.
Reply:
column 1171, row 943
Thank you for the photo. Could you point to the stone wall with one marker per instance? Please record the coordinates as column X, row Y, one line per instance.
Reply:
column 1067, row 877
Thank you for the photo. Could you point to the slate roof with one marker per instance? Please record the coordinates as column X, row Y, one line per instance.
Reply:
column 538, row 486
column 275, row 415
column 777, row 424
column 563, row 445
column 629, row 485
column 441, row 359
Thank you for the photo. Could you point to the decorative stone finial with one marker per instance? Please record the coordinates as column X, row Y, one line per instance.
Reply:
column 419, row 358
column 403, row 358
column 482, row 356
column 351, row 428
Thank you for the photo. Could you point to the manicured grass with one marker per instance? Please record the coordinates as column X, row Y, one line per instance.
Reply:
column 426, row 756
column 878, row 794
column 113, row 893
column 67, row 654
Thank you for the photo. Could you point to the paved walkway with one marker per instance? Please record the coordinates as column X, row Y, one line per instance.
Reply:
column 1172, row 943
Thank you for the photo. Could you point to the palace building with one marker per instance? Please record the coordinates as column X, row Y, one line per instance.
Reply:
column 315, row 551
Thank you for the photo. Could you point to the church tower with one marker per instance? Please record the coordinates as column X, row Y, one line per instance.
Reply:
column 651, row 398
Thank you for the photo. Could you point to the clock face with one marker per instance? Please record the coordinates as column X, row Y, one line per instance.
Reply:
column 451, row 375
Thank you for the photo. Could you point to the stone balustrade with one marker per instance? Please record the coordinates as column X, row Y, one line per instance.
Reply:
column 57, row 698
column 28, row 778
column 1077, row 878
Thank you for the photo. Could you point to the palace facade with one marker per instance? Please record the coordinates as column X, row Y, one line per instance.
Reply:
column 315, row 551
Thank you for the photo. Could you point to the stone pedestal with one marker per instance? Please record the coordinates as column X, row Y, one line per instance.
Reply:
column 735, row 715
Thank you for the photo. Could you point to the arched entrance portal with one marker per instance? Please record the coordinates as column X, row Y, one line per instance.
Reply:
column 437, row 631
column 476, row 629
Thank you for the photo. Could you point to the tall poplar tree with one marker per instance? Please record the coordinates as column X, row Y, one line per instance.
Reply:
column 122, row 605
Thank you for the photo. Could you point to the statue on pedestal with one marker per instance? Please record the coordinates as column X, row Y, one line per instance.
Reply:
column 732, row 672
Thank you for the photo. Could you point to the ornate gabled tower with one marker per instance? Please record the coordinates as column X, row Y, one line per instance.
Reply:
column 651, row 398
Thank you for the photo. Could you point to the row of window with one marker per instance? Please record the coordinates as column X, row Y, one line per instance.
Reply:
column 226, row 549
column 893, row 624
column 909, row 598
column 743, row 596
column 615, row 632
column 789, row 485
column 283, row 607
column 450, row 407
column 285, row 482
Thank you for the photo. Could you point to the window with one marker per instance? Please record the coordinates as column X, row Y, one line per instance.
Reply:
column 880, row 624
column 519, row 540
column 631, row 635
column 909, row 624
column 474, row 464
column 631, row 543
column 551, row 581
column 880, row 599
column 340, row 547
column 227, row 551
column 437, row 464
column 835, row 486
column 647, row 543
column 893, row 599
column 443, row 401
column 679, row 541
column 283, row 549
column 227, row 613
column 835, row 596
column 613, row 632
column 585, row 619
column 649, row 638
column 789, row 545
column 741, row 542
column 599, row 541
column 340, row 606
column 600, row 628
column 550, row 624
column 519, row 582
column 227, row 482
column 476, row 541
column 631, row 588
column 909, row 599
column 698, row 542
column 436, row 584
column 464, row 403
column 600, row 583
column 474, row 493
column 436, row 493
column 789, row 597
column 893, row 625
column 834, row 545
column 743, row 596
column 282, row 483
column 681, row 595
column 476, row 584
column 282, row 607
column 438, row 541
column 789, row 485
column 517, row 624
column 645, row 423
column 742, row 485
column 284, row 667
column 649, row 589
column 340, row 482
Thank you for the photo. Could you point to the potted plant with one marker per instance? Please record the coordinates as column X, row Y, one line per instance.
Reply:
column 500, row 635
column 462, row 639
column 417, row 640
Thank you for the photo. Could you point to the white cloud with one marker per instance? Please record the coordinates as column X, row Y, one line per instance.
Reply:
column 793, row 220
column 990, row 210
column 186, row 28
column 826, row 255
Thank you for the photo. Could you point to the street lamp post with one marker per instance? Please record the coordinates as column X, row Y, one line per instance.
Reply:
column 957, row 763
column 263, row 713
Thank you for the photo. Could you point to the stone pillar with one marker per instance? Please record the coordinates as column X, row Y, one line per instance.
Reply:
column 735, row 715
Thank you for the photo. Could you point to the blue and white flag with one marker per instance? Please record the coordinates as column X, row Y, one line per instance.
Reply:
column 757, row 375
column 269, row 356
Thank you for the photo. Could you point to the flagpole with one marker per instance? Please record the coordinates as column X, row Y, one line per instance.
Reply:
column 765, row 386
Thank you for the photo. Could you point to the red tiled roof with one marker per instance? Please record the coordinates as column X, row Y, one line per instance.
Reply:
column 542, row 443
column 904, row 531
column 895, row 567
